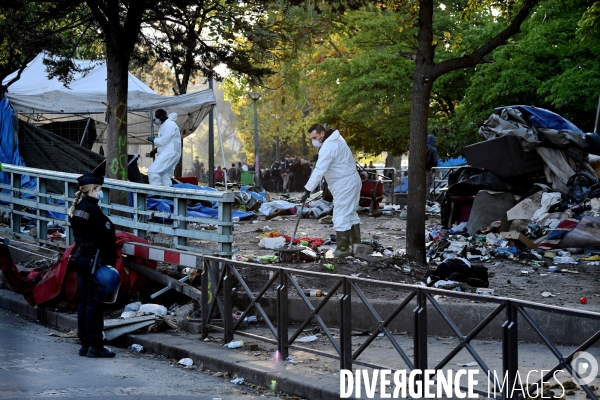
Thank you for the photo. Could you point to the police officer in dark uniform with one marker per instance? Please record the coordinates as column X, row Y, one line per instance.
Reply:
column 94, row 233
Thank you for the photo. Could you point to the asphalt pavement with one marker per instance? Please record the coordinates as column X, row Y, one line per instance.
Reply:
column 34, row 365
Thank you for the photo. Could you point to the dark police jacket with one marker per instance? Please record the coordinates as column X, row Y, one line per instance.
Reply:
column 93, row 230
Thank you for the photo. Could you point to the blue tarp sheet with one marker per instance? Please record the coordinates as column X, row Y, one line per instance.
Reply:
column 453, row 162
column 9, row 145
column 196, row 210
column 260, row 196
column 542, row 118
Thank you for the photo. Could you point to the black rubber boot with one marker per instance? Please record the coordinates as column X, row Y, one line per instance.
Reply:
column 355, row 234
column 83, row 350
column 100, row 352
column 342, row 248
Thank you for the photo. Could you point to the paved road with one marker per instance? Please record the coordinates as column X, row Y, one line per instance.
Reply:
column 35, row 365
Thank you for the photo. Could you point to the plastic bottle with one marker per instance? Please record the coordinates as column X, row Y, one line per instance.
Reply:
column 312, row 292
column 328, row 266
column 387, row 253
column 564, row 260
column 235, row 344
column 250, row 319
column 564, row 254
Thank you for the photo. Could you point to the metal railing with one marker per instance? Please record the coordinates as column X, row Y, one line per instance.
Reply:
column 440, row 180
column 18, row 204
column 219, row 277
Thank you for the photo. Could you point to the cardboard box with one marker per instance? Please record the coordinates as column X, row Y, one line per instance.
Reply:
column 517, row 236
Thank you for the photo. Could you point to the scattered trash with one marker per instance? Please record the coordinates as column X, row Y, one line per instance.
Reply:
column 128, row 314
column 329, row 267
column 329, row 254
column 564, row 260
column 251, row 319
column 291, row 360
column 307, row 339
column 266, row 228
column 583, row 300
column 135, row 307
column 553, row 268
column 137, row 348
column 238, row 381
column 471, row 364
column 485, row 291
column 187, row 362
column 312, row 292
column 272, row 243
column 235, row 344
column 155, row 309
column 547, row 294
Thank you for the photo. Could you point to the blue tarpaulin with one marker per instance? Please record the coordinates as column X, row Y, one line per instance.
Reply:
column 453, row 162
column 542, row 118
column 195, row 210
column 9, row 145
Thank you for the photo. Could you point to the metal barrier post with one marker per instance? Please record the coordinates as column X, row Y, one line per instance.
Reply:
column 420, row 331
column 346, row 326
column 227, row 306
column 225, row 215
column 204, row 306
column 70, row 190
column 282, row 315
column 139, row 203
column 41, row 225
column 510, row 348
column 15, row 220
column 180, row 208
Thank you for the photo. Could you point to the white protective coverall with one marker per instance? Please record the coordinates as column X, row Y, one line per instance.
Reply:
column 337, row 165
column 168, row 144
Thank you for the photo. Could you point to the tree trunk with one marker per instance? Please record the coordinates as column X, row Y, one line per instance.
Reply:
column 419, row 111
column 116, row 137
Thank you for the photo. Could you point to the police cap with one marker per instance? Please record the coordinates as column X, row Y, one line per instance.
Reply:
column 90, row 179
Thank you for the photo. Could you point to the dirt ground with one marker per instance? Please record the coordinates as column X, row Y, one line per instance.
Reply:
column 508, row 278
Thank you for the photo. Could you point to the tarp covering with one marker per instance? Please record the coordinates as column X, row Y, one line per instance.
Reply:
column 43, row 98
column 9, row 145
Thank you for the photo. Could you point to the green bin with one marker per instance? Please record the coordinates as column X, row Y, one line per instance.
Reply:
column 247, row 178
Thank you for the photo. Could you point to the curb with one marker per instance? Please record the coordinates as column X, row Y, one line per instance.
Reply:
column 213, row 358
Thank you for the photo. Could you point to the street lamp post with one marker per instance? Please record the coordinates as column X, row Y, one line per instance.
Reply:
column 211, row 143
column 277, row 116
column 255, row 96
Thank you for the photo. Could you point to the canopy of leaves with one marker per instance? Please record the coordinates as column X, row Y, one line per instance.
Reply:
column 549, row 65
column 27, row 28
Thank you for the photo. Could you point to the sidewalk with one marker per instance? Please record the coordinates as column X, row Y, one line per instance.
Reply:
column 313, row 377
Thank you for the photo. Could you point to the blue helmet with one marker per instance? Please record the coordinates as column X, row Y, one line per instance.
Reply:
column 107, row 284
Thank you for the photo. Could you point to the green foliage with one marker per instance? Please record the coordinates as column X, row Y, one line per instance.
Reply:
column 27, row 28
column 547, row 65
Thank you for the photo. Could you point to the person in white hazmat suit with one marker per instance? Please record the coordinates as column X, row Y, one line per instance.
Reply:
column 168, row 146
column 337, row 165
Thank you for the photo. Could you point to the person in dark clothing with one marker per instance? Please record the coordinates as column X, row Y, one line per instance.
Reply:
column 296, row 171
column 219, row 174
column 277, row 177
column 268, row 181
column 431, row 161
column 93, row 232
column 196, row 165
column 232, row 174
column 306, row 171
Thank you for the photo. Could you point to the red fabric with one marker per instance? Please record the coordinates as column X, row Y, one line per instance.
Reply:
column 311, row 241
column 54, row 281
column 21, row 282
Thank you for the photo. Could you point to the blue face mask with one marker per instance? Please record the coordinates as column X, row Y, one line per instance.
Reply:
column 100, row 195
column 157, row 121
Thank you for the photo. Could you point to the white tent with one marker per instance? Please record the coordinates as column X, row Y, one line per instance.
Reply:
column 40, row 100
